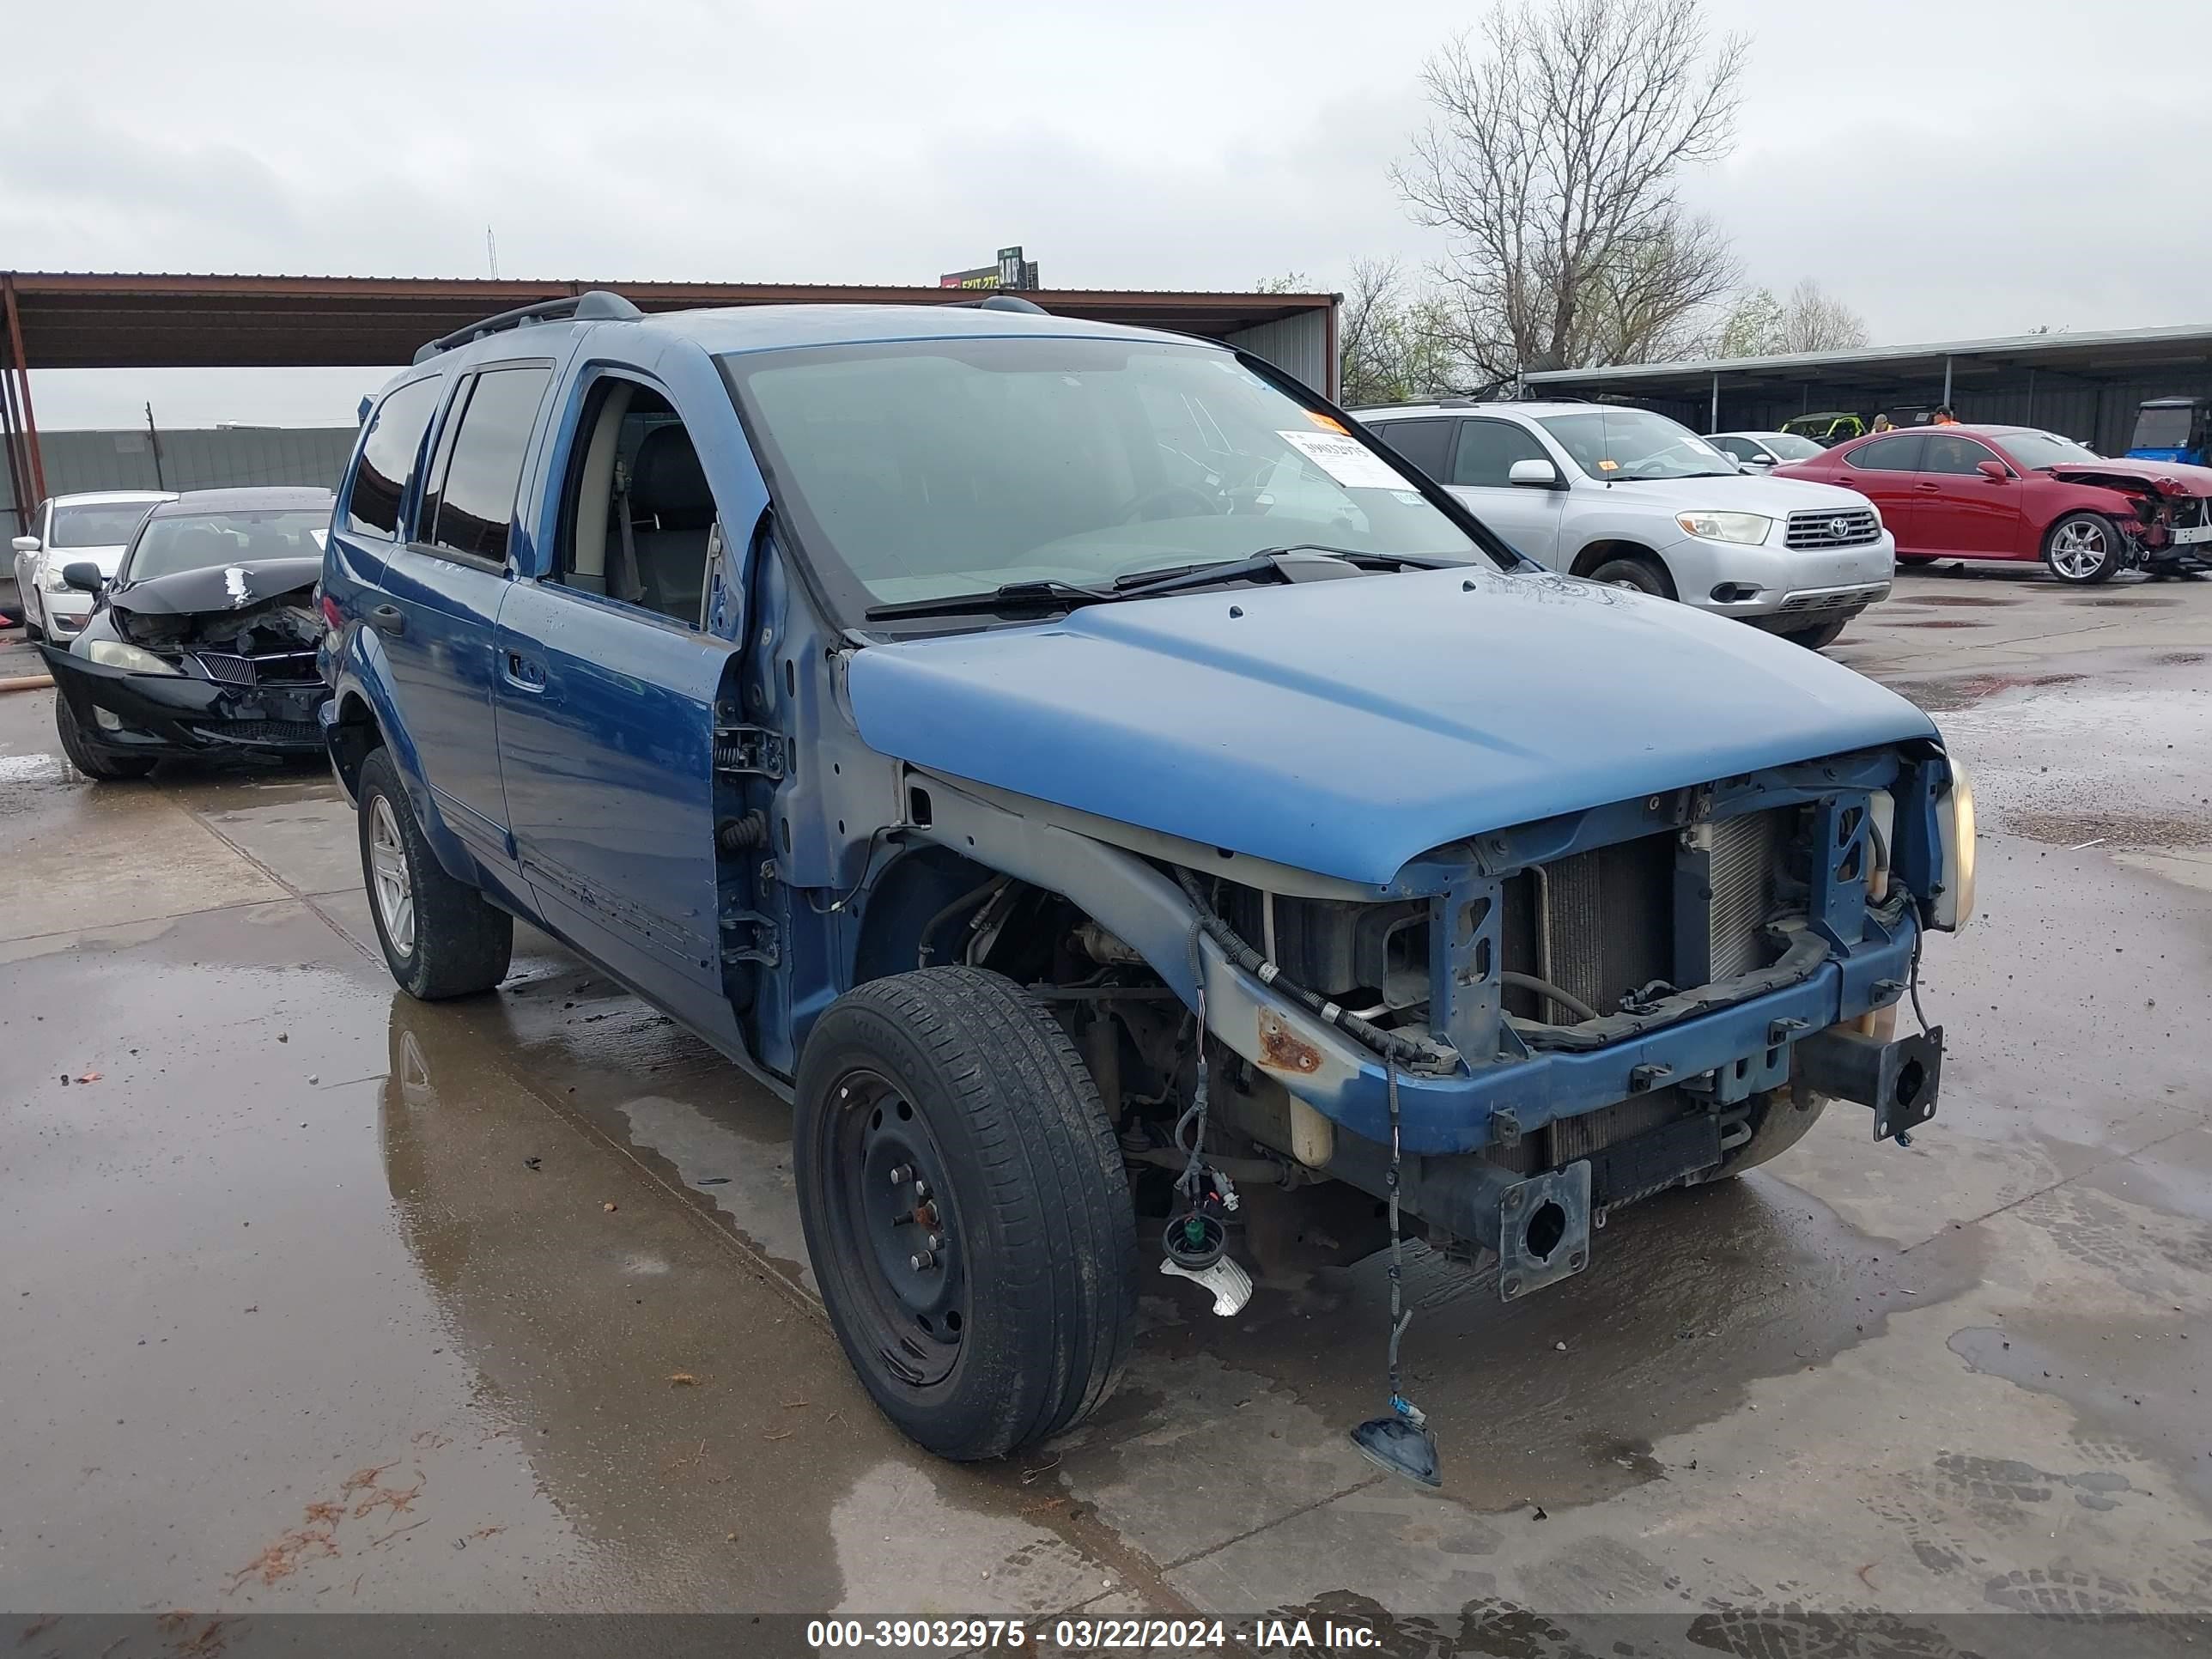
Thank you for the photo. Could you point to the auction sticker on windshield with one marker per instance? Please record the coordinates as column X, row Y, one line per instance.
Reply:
column 1345, row 460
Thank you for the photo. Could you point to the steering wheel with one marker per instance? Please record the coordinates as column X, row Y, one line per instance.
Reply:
column 1144, row 506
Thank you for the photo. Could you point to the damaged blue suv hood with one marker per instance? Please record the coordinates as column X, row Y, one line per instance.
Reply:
column 1348, row 727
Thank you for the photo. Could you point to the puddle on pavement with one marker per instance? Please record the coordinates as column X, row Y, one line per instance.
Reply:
column 1943, row 695
column 1952, row 598
column 2179, row 659
column 1945, row 621
column 1559, row 1399
column 2136, row 1384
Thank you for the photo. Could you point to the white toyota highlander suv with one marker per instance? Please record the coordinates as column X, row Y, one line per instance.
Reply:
column 1624, row 495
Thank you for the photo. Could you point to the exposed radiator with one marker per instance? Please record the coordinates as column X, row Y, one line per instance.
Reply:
column 1573, row 894
column 1745, row 853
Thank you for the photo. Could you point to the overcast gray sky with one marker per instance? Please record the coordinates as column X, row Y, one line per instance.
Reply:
column 1951, row 170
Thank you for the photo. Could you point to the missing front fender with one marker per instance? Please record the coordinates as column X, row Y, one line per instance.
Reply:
column 1899, row 1080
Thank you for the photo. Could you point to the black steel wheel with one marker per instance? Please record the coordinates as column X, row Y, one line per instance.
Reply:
column 965, row 1210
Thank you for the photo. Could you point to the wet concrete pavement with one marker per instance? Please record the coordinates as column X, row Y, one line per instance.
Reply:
column 317, row 1298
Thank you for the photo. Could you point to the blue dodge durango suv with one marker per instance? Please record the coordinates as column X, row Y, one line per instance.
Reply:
column 1139, row 824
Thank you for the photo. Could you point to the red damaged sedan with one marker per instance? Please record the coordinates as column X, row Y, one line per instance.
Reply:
column 2012, row 492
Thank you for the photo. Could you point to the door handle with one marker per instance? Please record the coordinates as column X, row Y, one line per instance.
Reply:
column 388, row 619
column 1932, row 489
column 520, row 672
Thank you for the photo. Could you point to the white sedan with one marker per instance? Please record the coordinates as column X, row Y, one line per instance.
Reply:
column 94, row 528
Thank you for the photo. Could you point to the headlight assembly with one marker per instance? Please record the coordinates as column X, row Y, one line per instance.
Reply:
column 49, row 578
column 1747, row 527
column 1953, row 903
column 114, row 654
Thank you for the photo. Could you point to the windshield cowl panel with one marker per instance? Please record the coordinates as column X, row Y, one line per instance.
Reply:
column 918, row 473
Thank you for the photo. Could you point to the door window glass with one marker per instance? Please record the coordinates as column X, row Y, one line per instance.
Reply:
column 1948, row 453
column 1487, row 449
column 1742, row 448
column 388, row 457
column 1426, row 444
column 1898, row 455
column 475, row 497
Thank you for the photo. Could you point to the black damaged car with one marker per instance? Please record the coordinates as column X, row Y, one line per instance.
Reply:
column 205, row 642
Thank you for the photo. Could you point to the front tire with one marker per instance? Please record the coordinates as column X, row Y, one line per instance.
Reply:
column 2083, row 549
column 1824, row 635
column 441, row 938
column 1786, row 1117
column 1635, row 570
column 99, row 767
column 948, row 1105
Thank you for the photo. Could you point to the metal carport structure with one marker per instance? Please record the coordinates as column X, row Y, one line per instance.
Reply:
column 2086, row 386
column 78, row 319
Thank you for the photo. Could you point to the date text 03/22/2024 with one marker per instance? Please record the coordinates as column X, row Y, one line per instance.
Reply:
column 1076, row 1636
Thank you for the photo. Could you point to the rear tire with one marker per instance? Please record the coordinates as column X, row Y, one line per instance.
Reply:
column 1638, row 570
column 1017, row 1324
column 2083, row 549
column 100, row 769
column 441, row 938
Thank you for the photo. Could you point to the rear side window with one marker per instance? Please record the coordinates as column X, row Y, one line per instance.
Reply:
column 1898, row 455
column 1425, row 443
column 475, row 494
column 1487, row 449
column 387, row 458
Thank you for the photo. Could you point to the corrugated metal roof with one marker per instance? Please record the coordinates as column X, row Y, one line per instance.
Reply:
column 2107, row 352
column 99, row 319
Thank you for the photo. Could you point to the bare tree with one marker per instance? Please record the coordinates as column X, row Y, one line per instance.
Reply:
column 1815, row 320
column 1552, row 163
column 1811, row 319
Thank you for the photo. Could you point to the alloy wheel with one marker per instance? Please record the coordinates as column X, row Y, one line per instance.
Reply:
column 387, row 860
column 2080, row 549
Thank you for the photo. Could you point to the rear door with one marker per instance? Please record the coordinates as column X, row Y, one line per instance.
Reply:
column 1886, row 471
column 1526, row 515
column 608, row 683
column 1958, row 509
column 441, row 596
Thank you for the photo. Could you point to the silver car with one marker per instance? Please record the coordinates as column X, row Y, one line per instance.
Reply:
column 93, row 527
column 1626, row 496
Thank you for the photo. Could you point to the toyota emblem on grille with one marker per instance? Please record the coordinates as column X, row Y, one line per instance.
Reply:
column 1839, row 528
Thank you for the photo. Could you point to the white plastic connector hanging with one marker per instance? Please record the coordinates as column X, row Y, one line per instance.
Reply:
column 1230, row 1284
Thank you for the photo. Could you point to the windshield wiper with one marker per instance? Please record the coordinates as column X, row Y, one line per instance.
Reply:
column 1009, row 597
column 1265, row 561
column 1050, row 596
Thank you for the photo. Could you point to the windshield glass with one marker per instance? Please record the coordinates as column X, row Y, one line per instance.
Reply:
column 109, row 525
column 1633, row 443
column 920, row 470
column 2045, row 449
column 196, row 541
column 1791, row 447
column 2162, row 428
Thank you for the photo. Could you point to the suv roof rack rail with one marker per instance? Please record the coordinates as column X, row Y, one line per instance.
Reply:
column 1002, row 302
column 597, row 305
